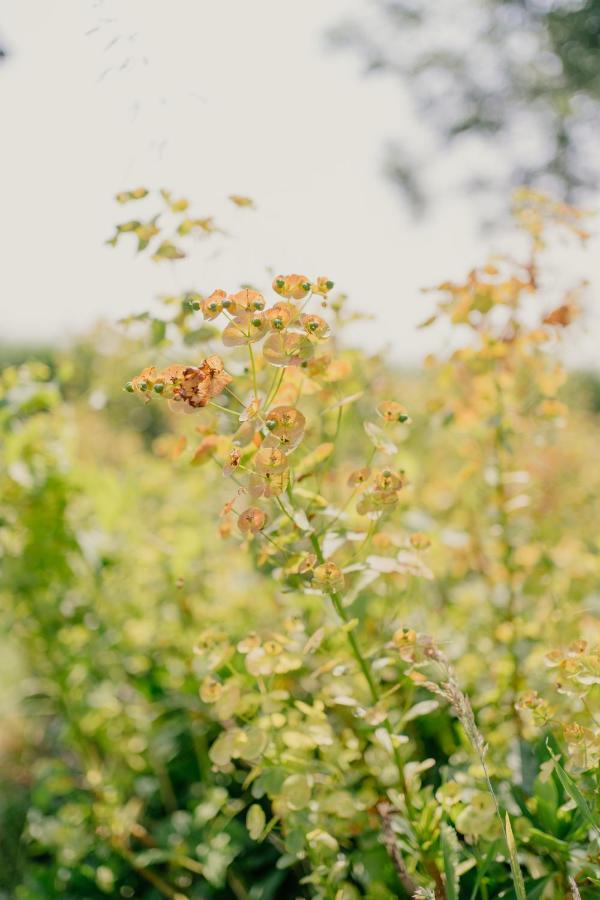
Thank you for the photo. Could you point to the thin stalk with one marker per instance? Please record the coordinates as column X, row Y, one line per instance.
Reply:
column 285, row 512
column 368, row 675
column 345, row 506
column 391, row 845
column 507, row 557
column 253, row 366
column 231, row 412
column 276, row 384
column 151, row 877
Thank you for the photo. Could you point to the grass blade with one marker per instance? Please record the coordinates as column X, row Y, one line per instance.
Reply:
column 448, row 839
column 514, row 861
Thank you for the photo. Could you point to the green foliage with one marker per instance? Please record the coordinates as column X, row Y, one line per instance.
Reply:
column 207, row 703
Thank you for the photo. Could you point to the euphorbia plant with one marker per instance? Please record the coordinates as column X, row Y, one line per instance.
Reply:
column 317, row 713
column 499, row 496
column 310, row 518
column 316, row 513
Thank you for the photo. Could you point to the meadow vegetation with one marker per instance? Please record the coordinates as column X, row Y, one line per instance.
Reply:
column 281, row 620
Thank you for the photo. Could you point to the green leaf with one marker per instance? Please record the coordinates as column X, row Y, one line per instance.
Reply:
column 199, row 335
column 151, row 857
column 573, row 791
column 449, row 851
column 168, row 250
column 536, row 887
column 547, row 802
column 158, row 330
column 255, row 821
column 548, row 841
column 514, row 861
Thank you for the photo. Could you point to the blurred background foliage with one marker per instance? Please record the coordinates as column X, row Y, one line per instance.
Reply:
column 505, row 92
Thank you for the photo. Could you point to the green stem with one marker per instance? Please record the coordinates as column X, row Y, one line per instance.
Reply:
column 507, row 557
column 276, row 384
column 365, row 668
column 231, row 412
column 253, row 365
column 285, row 512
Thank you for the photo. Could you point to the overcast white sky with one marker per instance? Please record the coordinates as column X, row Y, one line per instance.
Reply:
column 210, row 97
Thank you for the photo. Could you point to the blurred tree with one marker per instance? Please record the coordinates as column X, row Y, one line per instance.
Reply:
column 504, row 91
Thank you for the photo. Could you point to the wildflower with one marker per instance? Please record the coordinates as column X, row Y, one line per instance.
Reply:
column 287, row 349
column 271, row 467
column 248, row 300
column 280, row 315
column 144, row 381
column 252, row 520
column 315, row 325
column 392, row 411
column 250, row 411
column 294, row 286
column 270, row 461
column 359, row 476
column 286, row 425
column 250, row 642
column 245, row 328
column 384, row 493
column 233, row 462
column 213, row 306
column 328, row 576
column 201, row 383
column 322, row 285
column 195, row 385
column 210, row 690
column 307, row 564
column 405, row 640
column 388, row 481
column 420, row 541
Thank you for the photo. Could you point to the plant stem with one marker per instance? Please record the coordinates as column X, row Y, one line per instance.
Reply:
column 155, row 880
column 365, row 668
column 231, row 412
column 391, row 845
column 273, row 390
column 253, row 365
column 285, row 512
column 507, row 557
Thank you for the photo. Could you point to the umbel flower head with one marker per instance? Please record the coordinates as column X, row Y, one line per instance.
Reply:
column 194, row 385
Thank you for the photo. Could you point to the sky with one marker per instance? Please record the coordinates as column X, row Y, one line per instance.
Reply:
column 207, row 99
